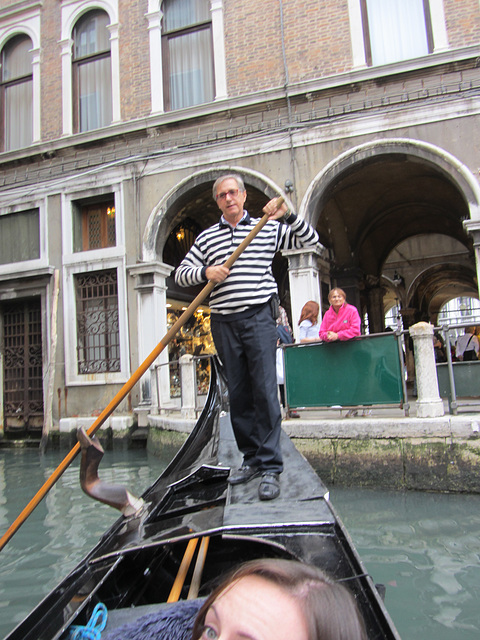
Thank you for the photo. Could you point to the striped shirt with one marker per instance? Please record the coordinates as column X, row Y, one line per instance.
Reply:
column 251, row 280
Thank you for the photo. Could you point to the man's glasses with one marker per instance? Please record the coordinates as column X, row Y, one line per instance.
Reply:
column 233, row 193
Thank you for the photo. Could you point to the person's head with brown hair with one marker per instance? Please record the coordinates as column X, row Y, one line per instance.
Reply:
column 276, row 599
column 310, row 311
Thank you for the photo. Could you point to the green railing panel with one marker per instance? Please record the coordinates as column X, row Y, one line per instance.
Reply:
column 466, row 376
column 363, row 371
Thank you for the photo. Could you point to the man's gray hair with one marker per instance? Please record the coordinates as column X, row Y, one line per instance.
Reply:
column 233, row 176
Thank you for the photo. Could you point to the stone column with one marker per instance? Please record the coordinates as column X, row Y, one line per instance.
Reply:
column 219, row 56
column 154, row 18
column 350, row 279
column 376, row 315
column 36, row 131
column 304, row 266
column 408, row 319
column 187, row 383
column 151, row 290
column 429, row 403
column 473, row 228
column 115, row 65
column 66, row 57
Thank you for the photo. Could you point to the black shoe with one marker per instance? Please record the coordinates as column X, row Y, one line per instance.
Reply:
column 244, row 474
column 269, row 487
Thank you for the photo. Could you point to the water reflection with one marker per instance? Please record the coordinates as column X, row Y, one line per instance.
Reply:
column 425, row 548
column 62, row 528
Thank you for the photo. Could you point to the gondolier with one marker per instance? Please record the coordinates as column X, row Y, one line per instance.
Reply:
column 243, row 320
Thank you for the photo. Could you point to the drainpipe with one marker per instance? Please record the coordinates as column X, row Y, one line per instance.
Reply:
column 289, row 105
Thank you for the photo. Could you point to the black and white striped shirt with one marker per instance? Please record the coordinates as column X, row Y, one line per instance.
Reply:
column 251, row 280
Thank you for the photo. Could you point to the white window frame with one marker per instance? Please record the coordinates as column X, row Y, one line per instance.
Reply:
column 27, row 23
column 71, row 11
column 93, row 260
column 154, row 17
column 439, row 30
column 27, row 266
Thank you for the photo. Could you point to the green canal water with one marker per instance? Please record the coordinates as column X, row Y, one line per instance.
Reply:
column 424, row 547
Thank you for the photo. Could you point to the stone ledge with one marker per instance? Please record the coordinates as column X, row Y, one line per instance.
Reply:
column 116, row 423
column 418, row 464
column 444, row 427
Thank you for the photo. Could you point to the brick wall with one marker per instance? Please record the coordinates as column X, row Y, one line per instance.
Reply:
column 51, row 72
column 463, row 22
column 134, row 59
column 316, row 40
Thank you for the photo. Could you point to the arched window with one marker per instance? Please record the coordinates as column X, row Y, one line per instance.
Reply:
column 17, row 93
column 187, row 52
column 92, row 73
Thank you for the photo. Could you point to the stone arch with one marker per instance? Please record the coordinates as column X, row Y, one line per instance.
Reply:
column 446, row 163
column 78, row 9
column 20, row 30
column 437, row 285
column 380, row 193
column 158, row 224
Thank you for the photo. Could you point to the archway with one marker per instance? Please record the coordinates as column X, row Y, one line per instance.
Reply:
column 186, row 210
column 378, row 195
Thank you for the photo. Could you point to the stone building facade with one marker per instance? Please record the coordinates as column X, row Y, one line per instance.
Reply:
column 116, row 117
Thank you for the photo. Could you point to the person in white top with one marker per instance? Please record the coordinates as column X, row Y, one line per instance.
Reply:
column 308, row 323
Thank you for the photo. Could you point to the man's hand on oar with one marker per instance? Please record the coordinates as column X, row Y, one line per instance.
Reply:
column 273, row 210
column 276, row 208
column 217, row 273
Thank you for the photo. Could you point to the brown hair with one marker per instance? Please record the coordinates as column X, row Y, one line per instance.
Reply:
column 329, row 608
column 310, row 311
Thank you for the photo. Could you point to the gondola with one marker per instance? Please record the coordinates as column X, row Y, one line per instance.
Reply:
column 137, row 561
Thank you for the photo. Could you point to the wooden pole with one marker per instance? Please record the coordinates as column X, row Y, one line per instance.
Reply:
column 127, row 387
column 182, row 571
column 197, row 572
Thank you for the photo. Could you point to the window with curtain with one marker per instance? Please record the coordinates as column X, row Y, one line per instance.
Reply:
column 396, row 30
column 187, row 53
column 92, row 72
column 20, row 236
column 17, row 93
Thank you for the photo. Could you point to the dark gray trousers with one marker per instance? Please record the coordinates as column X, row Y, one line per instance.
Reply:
column 247, row 348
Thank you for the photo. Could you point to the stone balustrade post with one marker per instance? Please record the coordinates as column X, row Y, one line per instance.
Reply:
column 188, row 387
column 429, row 403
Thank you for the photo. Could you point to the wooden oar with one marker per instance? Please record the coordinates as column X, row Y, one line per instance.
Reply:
column 127, row 387
column 197, row 572
column 182, row 571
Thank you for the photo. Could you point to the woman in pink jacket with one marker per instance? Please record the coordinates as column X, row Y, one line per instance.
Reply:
column 341, row 321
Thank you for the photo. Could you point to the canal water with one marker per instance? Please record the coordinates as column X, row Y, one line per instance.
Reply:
column 424, row 547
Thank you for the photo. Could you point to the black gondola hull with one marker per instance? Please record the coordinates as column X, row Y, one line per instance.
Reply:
column 132, row 569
